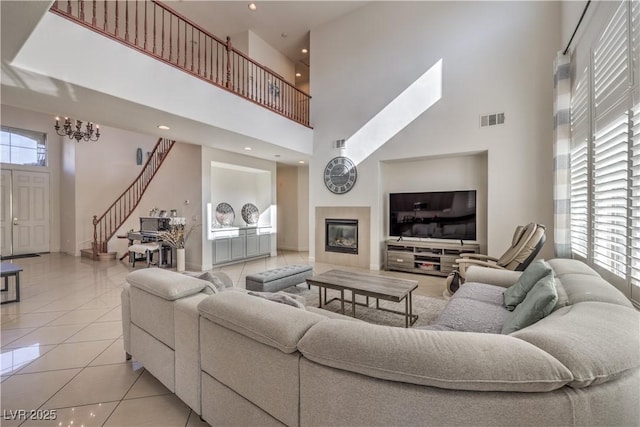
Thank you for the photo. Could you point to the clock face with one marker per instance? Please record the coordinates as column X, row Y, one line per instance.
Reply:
column 340, row 175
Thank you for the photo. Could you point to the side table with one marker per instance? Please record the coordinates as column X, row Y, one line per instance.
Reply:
column 8, row 269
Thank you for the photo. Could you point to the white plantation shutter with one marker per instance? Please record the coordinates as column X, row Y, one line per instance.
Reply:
column 579, row 167
column 635, row 195
column 611, row 62
column 610, row 191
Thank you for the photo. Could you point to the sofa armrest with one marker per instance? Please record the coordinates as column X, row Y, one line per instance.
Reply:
column 492, row 276
column 277, row 325
column 126, row 318
column 449, row 360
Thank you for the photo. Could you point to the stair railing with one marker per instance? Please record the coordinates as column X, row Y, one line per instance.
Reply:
column 105, row 226
column 157, row 30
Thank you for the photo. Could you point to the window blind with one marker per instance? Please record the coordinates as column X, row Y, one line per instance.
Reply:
column 610, row 192
column 611, row 62
column 635, row 195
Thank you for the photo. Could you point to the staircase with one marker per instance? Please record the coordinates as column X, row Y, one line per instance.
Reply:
column 105, row 226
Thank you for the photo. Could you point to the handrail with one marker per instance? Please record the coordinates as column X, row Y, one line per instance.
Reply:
column 155, row 29
column 108, row 223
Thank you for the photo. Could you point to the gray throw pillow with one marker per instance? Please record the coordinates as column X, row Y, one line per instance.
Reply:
column 538, row 303
column 516, row 293
column 217, row 285
column 279, row 298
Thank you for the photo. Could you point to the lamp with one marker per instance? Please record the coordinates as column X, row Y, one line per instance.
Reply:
column 75, row 132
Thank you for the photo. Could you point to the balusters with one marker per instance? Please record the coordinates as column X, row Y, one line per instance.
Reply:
column 170, row 38
column 145, row 26
column 162, row 35
column 136, row 25
column 93, row 19
column 117, row 18
column 126, row 20
column 154, row 28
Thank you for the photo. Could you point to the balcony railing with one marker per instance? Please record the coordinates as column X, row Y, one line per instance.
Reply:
column 155, row 29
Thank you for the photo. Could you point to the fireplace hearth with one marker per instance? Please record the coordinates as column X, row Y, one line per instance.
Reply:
column 341, row 235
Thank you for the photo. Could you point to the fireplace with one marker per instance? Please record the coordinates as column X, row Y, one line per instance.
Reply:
column 341, row 235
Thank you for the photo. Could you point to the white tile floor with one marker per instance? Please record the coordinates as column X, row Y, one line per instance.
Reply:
column 62, row 348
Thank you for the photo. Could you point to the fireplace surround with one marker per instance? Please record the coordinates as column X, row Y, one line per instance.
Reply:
column 341, row 235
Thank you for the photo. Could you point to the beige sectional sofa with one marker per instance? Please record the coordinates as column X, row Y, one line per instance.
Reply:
column 262, row 363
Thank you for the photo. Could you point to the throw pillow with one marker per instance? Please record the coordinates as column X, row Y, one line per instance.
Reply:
column 217, row 285
column 538, row 303
column 279, row 298
column 515, row 294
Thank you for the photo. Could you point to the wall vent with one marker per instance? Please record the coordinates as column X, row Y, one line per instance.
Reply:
column 492, row 119
column 339, row 144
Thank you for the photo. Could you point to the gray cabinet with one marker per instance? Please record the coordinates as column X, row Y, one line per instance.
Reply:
column 232, row 245
column 436, row 258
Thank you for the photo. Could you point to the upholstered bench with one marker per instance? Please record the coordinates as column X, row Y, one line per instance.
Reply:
column 279, row 278
column 146, row 249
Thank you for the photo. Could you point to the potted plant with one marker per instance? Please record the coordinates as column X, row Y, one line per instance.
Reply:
column 176, row 237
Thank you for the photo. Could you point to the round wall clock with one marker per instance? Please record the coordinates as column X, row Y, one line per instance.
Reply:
column 340, row 175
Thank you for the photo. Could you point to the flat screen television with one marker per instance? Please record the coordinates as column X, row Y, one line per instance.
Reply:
column 433, row 214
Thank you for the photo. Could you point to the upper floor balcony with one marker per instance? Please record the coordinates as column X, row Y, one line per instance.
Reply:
column 146, row 55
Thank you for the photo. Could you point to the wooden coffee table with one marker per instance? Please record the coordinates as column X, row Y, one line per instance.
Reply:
column 368, row 285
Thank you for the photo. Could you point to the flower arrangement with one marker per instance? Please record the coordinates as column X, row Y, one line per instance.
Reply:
column 176, row 236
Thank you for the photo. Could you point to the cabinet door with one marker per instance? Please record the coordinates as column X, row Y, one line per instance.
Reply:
column 221, row 250
column 265, row 244
column 238, row 248
column 252, row 245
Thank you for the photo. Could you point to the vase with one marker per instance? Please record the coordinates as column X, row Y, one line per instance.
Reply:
column 180, row 260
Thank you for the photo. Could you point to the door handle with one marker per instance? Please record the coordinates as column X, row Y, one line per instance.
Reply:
column 15, row 221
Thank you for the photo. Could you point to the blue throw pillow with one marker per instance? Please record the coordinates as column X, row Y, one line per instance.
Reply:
column 515, row 294
column 538, row 303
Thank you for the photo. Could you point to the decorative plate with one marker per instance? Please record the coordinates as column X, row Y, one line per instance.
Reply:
column 250, row 213
column 225, row 214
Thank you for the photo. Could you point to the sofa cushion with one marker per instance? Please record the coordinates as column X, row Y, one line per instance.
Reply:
column 516, row 293
column 279, row 297
column 276, row 325
column 597, row 342
column 538, row 303
column 216, row 282
column 165, row 284
column 450, row 360
column 475, row 307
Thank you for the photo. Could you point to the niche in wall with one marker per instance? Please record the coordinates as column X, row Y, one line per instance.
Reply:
column 467, row 171
column 238, row 185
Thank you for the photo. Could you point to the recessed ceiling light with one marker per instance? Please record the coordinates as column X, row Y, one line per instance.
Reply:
column 305, row 50
column 276, row 155
column 248, row 148
column 301, row 162
column 163, row 127
column 253, row 7
column 298, row 75
column 284, row 35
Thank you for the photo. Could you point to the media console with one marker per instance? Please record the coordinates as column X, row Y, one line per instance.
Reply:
column 426, row 257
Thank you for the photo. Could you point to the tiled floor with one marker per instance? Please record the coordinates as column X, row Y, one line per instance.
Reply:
column 62, row 348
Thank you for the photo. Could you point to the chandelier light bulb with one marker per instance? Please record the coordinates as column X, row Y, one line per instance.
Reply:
column 74, row 131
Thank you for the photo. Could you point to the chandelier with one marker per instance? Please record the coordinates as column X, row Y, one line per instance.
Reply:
column 75, row 132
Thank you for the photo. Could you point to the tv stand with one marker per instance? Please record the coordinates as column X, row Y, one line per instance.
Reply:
column 426, row 257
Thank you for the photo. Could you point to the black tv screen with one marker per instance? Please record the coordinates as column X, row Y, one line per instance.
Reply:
column 437, row 215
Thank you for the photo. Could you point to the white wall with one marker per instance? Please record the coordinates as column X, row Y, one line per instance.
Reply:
column 288, row 207
column 211, row 156
column 303, row 208
column 29, row 120
column 103, row 170
column 239, row 186
column 439, row 174
column 261, row 52
column 496, row 57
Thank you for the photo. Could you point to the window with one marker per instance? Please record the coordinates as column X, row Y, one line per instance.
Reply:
column 23, row 147
column 605, row 146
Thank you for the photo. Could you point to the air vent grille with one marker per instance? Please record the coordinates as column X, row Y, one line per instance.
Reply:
column 492, row 119
column 339, row 144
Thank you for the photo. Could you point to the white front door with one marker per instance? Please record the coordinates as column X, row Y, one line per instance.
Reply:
column 5, row 213
column 29, row 212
